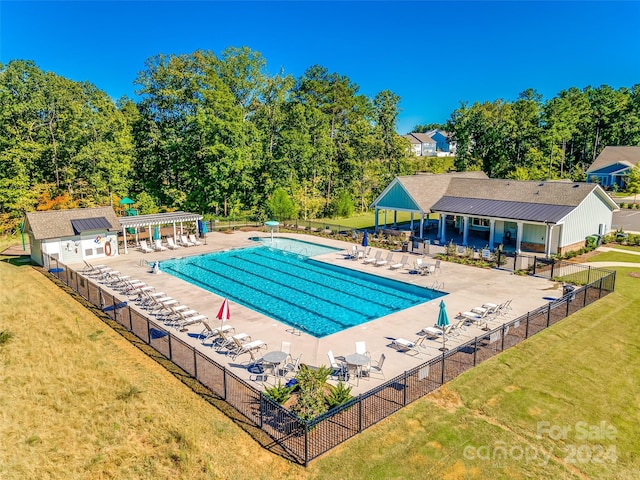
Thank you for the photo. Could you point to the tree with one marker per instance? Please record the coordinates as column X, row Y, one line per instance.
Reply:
column 632, row 182
column 281, row 206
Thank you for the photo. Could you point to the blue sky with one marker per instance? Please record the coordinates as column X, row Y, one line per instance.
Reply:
column 434, row 55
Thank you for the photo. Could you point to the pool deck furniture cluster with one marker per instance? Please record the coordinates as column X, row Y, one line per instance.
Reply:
column 466, row 286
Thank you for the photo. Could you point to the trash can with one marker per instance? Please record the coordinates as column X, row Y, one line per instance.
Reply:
column 405, row 246
column 568, row 290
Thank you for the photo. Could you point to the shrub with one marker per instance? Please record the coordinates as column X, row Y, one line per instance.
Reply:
column 5, row 336
column 279, row 393
column 338, row 394
column 311, row 400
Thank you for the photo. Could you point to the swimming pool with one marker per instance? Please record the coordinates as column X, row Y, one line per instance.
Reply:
column 315, row 297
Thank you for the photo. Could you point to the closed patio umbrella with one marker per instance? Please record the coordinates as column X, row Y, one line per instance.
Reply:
column 365, row 239
column 443, row 322
column 223, row 313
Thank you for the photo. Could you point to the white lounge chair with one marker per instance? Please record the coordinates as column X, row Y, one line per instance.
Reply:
column 248, row 347
column 144, row 248
column 171, row 244
column 408, row 345
column 192, row 238
column 374, row 259
column 389, row 259
column 157, row 245
column 404, row 261
column 184, row 242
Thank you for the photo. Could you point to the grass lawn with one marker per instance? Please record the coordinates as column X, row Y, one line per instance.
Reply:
column 80, row 401
column 614, row 257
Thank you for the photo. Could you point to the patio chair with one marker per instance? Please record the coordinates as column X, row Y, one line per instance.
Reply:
column 248, row 347
column 377, row 369
column 409, row 346
column 389, row 259
column 157, row 245
column 143, row 247
column 184, row 242
column 374, row 259
column 209, row 332
column 230, row 342
column 422, row 267
column 361, row 348
column 172, row 244
column 338, row 370
column 291, row 366
column 192, row 238
column 404, row 261
column 286, row 348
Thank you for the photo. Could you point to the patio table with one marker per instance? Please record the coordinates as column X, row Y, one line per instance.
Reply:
column 274, row 359
column 358, row 360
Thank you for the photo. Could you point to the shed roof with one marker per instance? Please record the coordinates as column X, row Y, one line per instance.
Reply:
column 59, row 223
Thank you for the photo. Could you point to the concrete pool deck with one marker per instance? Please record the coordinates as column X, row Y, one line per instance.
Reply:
column 467, row 287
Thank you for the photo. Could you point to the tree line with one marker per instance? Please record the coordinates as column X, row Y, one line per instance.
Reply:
column 219, row 134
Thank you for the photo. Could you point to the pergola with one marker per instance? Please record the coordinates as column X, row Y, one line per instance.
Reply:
column 157, row 220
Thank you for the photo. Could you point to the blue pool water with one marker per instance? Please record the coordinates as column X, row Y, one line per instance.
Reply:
column 287, row 285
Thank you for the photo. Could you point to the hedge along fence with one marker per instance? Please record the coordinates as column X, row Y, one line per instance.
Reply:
column 302, row 441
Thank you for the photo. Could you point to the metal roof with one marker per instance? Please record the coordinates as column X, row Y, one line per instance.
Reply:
column 158, row 219
column 531, row 212
column 85, row 224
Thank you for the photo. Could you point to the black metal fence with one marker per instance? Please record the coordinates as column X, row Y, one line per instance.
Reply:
column 302, row 441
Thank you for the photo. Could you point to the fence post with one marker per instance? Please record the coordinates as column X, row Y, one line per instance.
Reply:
column 548, row 314
column 306, row 444
column 475, row 351
column 195, row 364
column 535, row 261
column 553, row 264
column 568, row 303
column 589, row 275
column 404, row 389
column 504, row 329
column 224, row 383
column 359, row 413
column 526, row 330
column 170, row 352
column 442, row 380
column 600, row 288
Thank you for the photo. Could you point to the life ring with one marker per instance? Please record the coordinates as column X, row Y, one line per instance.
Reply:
column 107, row 249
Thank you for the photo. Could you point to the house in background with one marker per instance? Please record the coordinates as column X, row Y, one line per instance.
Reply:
column 422, row 144
column 72, row 236
column 430, row 144
column 612, row 165
column 549, row 217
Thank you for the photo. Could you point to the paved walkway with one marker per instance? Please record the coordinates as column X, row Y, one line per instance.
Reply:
column 466, row 287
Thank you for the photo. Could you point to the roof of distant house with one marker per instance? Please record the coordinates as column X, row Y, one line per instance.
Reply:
column 611, row 155
column 67, row 223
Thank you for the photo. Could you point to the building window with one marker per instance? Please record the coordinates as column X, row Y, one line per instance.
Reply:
column 480, row 222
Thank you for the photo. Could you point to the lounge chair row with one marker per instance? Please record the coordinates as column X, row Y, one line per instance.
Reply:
column 157, row 246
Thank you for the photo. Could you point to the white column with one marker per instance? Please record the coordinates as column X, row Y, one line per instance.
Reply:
column 443, row 226
column 492, row 227
column 421, row 226
column 519, row 237
column 376, row 220
column 465, row 230
column 395, row 218
column 137, row 240
column 124, row 236
column 411, row 224
column 547, row 243
column 174, row 231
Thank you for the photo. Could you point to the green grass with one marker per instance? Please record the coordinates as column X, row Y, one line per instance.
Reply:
column 80, row 401
column 631, row 248
column 614, row 257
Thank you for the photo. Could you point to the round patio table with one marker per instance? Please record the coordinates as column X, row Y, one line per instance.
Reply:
column 358, row 360
column 274, row 359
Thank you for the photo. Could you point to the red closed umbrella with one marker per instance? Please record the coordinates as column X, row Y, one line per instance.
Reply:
column 224, row 313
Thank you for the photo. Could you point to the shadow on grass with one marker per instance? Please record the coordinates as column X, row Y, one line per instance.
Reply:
column 264, row 440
